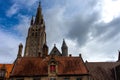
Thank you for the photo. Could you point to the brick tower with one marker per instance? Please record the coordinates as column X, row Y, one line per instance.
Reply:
column 36, row 38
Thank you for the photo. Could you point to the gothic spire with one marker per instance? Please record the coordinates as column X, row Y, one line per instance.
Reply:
column 39, row 16
column 64, row 49
column 64, row 43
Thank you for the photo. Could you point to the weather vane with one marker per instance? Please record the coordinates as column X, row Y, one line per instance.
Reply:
column 39, row 2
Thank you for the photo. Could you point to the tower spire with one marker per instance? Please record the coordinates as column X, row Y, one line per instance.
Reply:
column 64, row 43
column 39, row 3
column 39, row 17
column 64, row 49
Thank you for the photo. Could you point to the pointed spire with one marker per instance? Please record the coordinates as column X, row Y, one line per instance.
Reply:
column 64, row 49
column 39, row 3
column 64, row 43
column 39, row 16
column 32, row 20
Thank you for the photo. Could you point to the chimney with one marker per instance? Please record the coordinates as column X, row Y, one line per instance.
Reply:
column 80, row 55
column 70, row 55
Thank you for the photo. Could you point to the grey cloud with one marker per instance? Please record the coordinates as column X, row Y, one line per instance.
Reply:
column 61, row 23
column 55, row 28
column 80, row 28
column 106, row 31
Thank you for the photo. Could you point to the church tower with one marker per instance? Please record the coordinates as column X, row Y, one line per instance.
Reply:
column 36, row 38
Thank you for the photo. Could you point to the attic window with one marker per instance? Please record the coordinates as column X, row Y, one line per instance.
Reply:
column 66, row 78
column 37, row 78
column 78, row 79
column 52, row 78
column 52, row 68
column 20, row 79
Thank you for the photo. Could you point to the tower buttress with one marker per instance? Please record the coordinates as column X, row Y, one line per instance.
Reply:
column 45, row 50
column 64, row 49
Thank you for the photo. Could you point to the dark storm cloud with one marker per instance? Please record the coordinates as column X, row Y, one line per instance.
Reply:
column 80, row 27
column 72, row 20
column 87, row 22
column 106, row 31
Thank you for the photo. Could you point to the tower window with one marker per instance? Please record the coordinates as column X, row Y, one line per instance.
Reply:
column 36, row 34
column 52, row 68
column 32, row 34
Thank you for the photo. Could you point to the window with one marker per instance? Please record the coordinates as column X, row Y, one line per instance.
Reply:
column 52, row 79
column 66, row 78
column 33, row 34
column 36, row 34
column 52, row 68
column 20, row 79
column 78, row 79
column 37, row 78
column 2, row 73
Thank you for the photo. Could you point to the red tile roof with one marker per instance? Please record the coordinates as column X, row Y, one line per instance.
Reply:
column 102, row 70
column 8, row 67
column 30, row 66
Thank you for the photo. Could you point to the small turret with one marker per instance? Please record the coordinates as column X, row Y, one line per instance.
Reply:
column 20, row 50
column 64, row 49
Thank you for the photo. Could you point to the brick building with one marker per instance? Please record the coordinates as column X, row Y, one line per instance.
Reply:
column 38, row 64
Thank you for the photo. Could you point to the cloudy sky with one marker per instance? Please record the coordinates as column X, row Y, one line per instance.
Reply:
column 89, row 27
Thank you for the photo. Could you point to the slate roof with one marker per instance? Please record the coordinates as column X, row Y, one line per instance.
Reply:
column 32, row 66
column 8, row 68
column 102, row 70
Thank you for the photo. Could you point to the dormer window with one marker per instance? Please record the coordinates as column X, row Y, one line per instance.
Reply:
column 52, row 68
